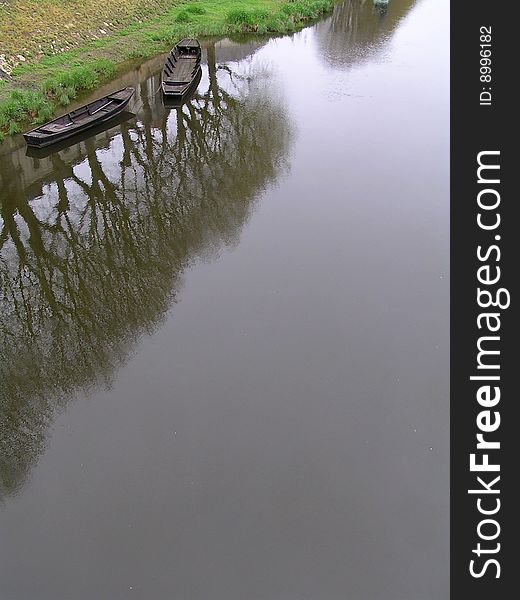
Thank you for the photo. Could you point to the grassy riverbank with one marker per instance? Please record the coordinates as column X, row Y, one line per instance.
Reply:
column 53, row 50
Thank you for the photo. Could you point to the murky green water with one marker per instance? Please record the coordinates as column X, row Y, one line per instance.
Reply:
column 224, row 330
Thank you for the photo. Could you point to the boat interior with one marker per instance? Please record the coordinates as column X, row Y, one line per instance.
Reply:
column 181, row 64
column 89, row 112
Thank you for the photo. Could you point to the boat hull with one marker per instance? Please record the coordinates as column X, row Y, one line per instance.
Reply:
column 175, row 100
column 44, row 151
column 181, row 72
column 59, row 129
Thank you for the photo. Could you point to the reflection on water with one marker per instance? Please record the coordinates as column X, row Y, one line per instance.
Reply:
column 358, row 29
column 94, row 258
column 268, row 424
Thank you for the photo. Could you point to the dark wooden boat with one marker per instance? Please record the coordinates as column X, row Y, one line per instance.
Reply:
column 78, row 120
column 91, row 132
column 179, row 101
column 181, row 69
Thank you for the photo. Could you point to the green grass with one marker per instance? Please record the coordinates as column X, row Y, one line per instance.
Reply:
column 196, row 9
column 21, row 105
column 36, row 106
column 81, row 77
column 288, row 16
column 43, row 83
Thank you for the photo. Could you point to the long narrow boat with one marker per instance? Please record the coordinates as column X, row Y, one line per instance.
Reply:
column 92, row 114
column 181, row 69
column 102, row 128
column 178, row 101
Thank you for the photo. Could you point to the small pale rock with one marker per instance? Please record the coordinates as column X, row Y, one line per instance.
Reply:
column 4, row 65
column 20, row 57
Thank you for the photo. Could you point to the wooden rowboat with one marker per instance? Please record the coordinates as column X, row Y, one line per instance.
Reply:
column 79, row 120
column 178, row 101
column 181, row 69
column 102, row 128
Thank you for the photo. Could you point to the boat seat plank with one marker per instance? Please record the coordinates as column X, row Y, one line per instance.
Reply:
column 55, row 127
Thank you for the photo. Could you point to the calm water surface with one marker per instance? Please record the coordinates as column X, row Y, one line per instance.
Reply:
column 224, row 330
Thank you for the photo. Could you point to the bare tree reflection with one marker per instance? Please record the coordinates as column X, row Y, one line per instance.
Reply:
column 357, row 29
column 96, row 259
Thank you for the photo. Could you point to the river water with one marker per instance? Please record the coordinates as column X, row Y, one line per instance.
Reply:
column 224, row 329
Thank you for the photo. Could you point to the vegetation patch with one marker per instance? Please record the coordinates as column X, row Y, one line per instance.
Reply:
column 21, row 105
column 183, row 17
column 65, row 85
column 286, row 17
column 196, row 9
